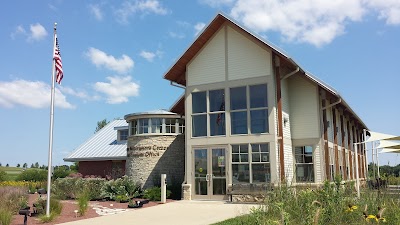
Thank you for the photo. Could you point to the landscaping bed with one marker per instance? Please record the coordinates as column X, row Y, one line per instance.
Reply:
column 69, row 206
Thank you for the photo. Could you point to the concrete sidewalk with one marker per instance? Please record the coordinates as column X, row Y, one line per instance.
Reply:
column 179, row 212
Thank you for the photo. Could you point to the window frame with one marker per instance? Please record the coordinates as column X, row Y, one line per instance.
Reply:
column 303, row 154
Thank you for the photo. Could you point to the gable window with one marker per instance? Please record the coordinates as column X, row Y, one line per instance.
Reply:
column 304, row 164
column 249, row 106
column 251, row 165
column 208, row 119
column 122, row 135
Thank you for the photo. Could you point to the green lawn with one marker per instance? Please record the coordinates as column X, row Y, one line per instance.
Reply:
column 12, row 172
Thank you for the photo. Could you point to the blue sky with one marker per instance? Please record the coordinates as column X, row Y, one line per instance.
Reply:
column 115, row 54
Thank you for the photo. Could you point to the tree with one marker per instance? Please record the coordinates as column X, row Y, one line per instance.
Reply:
column 36, row 165
column 7, row 165
column 25, row 165
column 101, row 124
column 18, row 165
column 32, row 166
column 0, row 164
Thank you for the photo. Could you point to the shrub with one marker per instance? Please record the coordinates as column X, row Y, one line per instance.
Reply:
column 10, row 197
column 61, row 172
column 154, row 194
column 83, row 202
column 124, row 186
column 3, row 175
column 32, row 175
column 67, row 188
column 5, row 216
column 55, row 206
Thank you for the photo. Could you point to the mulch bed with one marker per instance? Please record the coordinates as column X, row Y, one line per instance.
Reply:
column 69, row 206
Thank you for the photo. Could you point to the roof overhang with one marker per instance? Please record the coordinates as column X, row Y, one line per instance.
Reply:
column 95, row 159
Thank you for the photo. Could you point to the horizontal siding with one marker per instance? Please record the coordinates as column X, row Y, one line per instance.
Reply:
column 209, row 64
column 317, row 164
column 289, row 164
column 245, row 58
column 304, row 116
column 285, row 109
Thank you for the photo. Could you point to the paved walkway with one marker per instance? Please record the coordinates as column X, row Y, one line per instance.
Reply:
column 179, row 212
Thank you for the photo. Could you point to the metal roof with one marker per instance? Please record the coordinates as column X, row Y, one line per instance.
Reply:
column 152, row 112
column 103, row 145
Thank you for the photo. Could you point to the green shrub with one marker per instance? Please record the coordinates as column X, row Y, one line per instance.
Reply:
column 32, row 175
column 55, row 206
column 61, row 172
column 154, row 194
column 83, row 202
column 3, row 175
column 68, row 188
column 124, row 186
column 5, row 216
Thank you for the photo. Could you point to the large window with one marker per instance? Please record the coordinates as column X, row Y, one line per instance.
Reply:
column 304, row 164
column 157, row 126
column 249, row 106
column 143, row 126
column 250, row 163
column 122, row 135
column 210, row 117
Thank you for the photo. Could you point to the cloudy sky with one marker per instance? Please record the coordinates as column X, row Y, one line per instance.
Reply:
column 115, row 54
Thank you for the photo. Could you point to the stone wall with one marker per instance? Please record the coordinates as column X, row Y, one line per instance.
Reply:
column 152, row 155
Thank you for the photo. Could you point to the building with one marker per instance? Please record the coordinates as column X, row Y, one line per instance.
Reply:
column 253, row 116
column 103, row 154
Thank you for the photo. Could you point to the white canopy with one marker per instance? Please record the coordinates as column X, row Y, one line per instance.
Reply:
column 391, row 150
column 388, row 144
column 375, row 136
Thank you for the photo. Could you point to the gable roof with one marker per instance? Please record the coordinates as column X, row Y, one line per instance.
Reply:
column 103, row 145
column 177, row 72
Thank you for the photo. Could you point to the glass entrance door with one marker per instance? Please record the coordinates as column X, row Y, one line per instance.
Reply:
column 210, row 173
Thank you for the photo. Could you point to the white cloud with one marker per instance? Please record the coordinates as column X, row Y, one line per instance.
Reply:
column 18, row 30
column 95, row 10
column 80, row 94
column 149, row 56
column 100, row 58
column 129, row 8
column 389, row 10
column 20, row 92
column 118, row 90
column 309, row 21
column 38, row 32
column 198, row 27
column 217, row 3
column 176, row 35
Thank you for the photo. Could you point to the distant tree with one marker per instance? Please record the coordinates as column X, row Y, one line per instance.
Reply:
column 74, row 167
column 0, row 164
column 32, row 166
column 32, row 175
column 101, row 124
column 25, row 165
column 18, row 165
column 7, row 165
column 3, row 175
column 36, row 165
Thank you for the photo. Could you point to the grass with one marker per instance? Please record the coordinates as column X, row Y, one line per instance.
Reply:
column 12, row 172
column 330, row 204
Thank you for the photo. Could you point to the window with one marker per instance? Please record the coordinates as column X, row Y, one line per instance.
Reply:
column 304, row 164
column 331, row 164
column 123, row 135
column 170, row 125
column 211, row 117
column 181, row 126
column 133, row 127
column 251, row 165
column 143, row 126
column 199, row 117
column 255, row 113
column 156, row 125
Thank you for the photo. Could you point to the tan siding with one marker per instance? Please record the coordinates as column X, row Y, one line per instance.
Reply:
column 209, row 64
column 303, row 99
column 285, row 109
column 317, row 164
column 289, row 164
column 246, row 58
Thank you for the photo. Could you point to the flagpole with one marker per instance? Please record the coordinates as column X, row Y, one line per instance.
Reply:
column 49, row 167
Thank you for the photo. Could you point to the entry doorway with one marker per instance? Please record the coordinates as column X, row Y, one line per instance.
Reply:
column 209, row 173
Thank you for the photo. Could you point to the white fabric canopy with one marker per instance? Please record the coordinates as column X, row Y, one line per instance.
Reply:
column 375, row 136
column 387, row 144
column 391, row 150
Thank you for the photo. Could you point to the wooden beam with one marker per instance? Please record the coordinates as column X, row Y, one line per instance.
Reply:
column 280, row 117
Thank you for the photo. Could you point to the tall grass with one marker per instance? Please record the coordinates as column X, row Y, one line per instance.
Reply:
column 5, row 216
column 331, row 204
column 83, row 202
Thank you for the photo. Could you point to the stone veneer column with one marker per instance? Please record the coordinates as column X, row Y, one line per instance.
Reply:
column 152, row 155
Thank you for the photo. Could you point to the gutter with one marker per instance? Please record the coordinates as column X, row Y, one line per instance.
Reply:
column 177, row 85
column 291, row 73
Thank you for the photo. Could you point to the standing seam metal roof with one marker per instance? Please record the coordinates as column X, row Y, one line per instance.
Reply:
column 103, row 145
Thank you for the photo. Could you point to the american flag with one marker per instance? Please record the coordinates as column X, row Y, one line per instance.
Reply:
column 58, row 63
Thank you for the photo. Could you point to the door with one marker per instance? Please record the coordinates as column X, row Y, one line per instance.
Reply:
column 210, row 173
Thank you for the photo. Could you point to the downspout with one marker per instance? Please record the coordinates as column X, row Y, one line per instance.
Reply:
column 291, row 73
